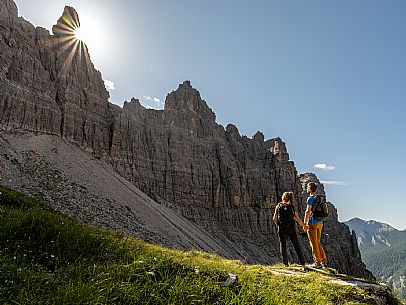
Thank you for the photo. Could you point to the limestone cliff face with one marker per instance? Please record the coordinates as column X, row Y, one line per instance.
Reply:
column 48, row 82
column 190, row 160
column 225, row 183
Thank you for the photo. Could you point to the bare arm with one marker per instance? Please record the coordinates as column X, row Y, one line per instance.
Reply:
column 306, row 218
column 275, row 215
column 299, row 221
column 307, row 214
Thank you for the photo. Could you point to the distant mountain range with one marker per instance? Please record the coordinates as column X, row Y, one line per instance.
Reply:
column 383, row 250
column 372, row 233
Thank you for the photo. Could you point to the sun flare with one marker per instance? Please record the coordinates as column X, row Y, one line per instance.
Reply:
column 79, row 38
column 89, row 32
column 80, row 34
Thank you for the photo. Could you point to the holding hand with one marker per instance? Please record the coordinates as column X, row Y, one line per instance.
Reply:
column 306, row 228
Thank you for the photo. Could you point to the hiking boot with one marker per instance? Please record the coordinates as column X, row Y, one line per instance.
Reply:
column 316, row 265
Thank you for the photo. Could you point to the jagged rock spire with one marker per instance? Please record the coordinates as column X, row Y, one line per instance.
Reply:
column 67, row 23
column 188, row 98
column 8, row 9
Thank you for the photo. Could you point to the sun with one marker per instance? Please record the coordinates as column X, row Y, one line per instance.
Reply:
column 89, row 32
column 80, row 34
column 79, row 38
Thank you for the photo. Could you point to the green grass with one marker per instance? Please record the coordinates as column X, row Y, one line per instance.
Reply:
column 49, row 258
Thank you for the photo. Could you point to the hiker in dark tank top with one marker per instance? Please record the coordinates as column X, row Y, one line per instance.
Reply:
column 284, row 217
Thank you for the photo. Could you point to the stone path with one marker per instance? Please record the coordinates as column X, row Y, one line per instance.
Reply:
column 379, row 291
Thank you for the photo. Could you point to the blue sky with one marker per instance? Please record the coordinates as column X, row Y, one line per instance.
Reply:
column 328, row 77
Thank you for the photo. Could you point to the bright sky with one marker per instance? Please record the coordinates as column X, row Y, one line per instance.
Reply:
column 328, row 77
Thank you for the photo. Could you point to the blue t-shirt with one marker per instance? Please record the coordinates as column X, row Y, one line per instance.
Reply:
column 312, row 221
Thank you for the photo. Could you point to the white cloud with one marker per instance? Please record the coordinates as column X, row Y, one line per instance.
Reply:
column 153, row 99
column 109, row 84
column 324, row 166
column 333, row 182
column 152, row 102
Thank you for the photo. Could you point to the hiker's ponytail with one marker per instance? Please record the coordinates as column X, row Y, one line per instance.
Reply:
column 287, row 197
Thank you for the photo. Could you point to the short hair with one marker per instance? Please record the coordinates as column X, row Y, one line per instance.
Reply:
column 287, row 196
column 312, row 186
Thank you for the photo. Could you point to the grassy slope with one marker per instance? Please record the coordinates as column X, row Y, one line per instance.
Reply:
column 48, row 258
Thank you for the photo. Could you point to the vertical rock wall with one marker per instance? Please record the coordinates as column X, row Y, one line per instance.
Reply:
column 48, row 82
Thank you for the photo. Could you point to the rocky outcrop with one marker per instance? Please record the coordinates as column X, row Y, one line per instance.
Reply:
column 223, row 182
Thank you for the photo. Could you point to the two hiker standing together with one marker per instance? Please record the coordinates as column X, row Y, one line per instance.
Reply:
column 316, row 211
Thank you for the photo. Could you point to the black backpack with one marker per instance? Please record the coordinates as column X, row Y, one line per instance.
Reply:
column 319, row 208
column 286, row 214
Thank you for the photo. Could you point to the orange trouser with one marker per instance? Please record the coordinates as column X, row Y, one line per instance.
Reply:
column 314, row 234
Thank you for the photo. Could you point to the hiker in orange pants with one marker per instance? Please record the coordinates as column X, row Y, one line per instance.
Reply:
column 314, row 227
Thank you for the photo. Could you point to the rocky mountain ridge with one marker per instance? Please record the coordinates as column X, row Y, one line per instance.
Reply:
column 217, row 180
column 370, row 232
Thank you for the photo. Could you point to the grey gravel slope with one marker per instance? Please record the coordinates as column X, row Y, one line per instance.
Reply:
column 75, row 183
